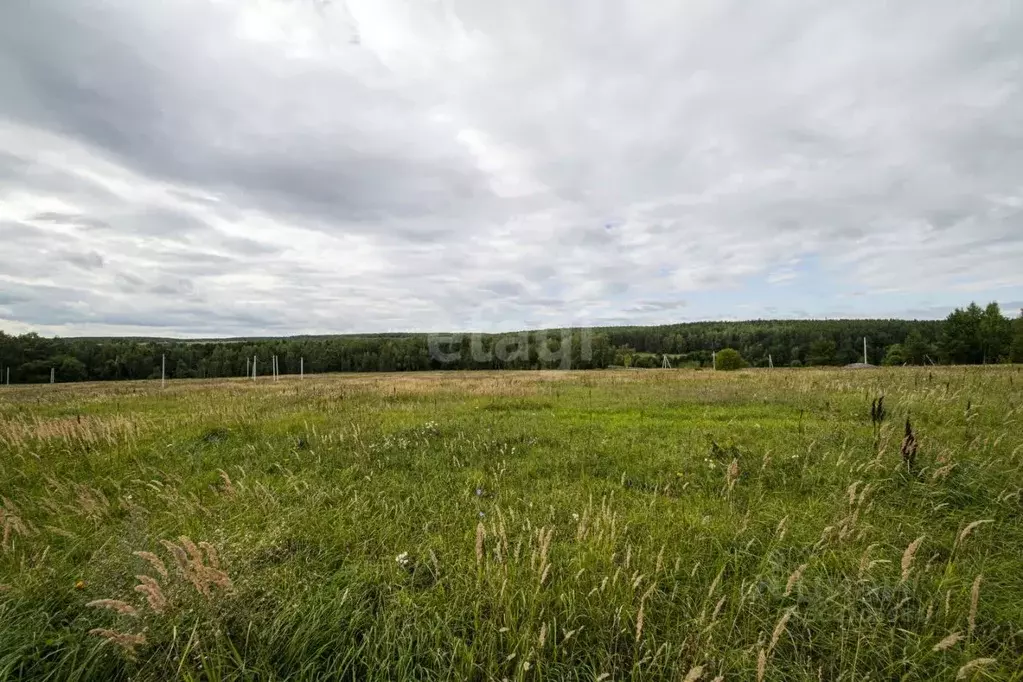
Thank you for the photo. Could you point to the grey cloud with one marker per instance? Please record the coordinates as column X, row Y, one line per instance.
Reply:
column 89, row 260
column 208, row 165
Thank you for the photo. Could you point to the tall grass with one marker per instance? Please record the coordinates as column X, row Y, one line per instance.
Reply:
column 486, row 526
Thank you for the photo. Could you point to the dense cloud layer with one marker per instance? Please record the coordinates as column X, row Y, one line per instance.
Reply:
column 289, row 166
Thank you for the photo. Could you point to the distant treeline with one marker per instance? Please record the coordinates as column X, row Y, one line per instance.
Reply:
column 972, row 335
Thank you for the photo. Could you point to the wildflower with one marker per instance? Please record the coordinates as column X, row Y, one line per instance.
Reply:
column 403, row 560
column 575, row 517
column 479, row 492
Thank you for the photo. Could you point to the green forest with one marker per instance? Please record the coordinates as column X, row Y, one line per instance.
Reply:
column 971, row 335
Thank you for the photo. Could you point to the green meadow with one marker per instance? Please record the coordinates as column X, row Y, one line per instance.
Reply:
column 602, row 525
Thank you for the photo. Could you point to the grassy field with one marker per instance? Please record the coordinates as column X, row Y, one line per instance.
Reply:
column 593, row 526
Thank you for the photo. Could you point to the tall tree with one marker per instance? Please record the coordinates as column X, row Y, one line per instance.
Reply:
column 995, row 334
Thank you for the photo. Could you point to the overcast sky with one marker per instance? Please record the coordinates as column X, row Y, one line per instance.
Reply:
column 202, row 168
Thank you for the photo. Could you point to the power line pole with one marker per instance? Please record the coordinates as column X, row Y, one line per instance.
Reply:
column 163, row 371
column 253, row 367
column 53, row 374
column 301, row 368
column 865, row 351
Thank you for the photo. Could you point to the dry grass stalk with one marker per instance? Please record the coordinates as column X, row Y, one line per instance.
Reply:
column 794, row 578
column 154, row 561
column 640, row 617
column 948, row 642
column 154, row 595
column 543, row 636
column 908, row 556
column 126, row 640
column 481, row 533
column 761, row 664
column 974, row 602
column 965, row 671
column 115, row 605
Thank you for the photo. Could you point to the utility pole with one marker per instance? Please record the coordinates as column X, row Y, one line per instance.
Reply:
column 163, row 371
column 301, row 368
column 53, row 374
column 770, row 361
column 714, row 358
column 865, row 351
column 248, row 367
column 253, row 367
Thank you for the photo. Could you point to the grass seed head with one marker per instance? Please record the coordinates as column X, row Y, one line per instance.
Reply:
column 948, row 642
column 115, row 605
column 154, row 561
column 965, row 671
column 908, row 556
column 974, row 602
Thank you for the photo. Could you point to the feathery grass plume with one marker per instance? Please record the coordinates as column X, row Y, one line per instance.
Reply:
column 970, row 528
column 694, row 674
column 717, row 610
column 543, row 636
column 180, row 558
column 851, row 491
column 779, row 628
column 227, row 486
column 761, row 664
column 640, row 617
column 942, row 473
column 909, row 446
column 480, row 536
column 715, row 583
column 116, row 605
column 908, row 556
column 659, row 564
column 974, row 602
column 126, row 640
column 794, row 578
column 719, row 678
column 732, row 475
column 948, row 642
column 601, row 677
column 782, row 527
column 965, row 671
column 154, row 561
column 154, row 595
column 190, row 547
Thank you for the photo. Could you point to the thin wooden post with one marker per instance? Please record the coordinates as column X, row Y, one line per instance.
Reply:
column 53, row 374
column 163, row 371
column 301, row 368
column 253, row 367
